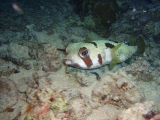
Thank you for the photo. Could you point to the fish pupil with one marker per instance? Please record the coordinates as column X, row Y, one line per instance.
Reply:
column 84, row 53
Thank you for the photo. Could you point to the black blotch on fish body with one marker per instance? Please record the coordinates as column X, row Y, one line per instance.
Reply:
column 97, row 76
column 114, row 41
column 95, row 44
column 109, row 45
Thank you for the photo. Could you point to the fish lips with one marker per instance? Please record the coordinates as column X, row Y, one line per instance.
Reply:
column 70, row 63
column 67, row 62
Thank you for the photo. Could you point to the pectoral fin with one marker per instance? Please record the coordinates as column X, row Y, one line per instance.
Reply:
column 111, row 66
column 115, row 59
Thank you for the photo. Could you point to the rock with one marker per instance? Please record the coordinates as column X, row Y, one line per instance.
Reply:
column 103, row 13
column 27, row 64
column 107, row 112
column 70, row 93
column 84, row 80
column 55, row 65
column 135, row 112
column 37, row 65
column 80, row 109
column 30, row 27
column 50, row 52
column 7, row 69
column 106, row 10
column 18, row 53
column 49, row 58
column 117, row 89
column 24, row 83
column 8, row 94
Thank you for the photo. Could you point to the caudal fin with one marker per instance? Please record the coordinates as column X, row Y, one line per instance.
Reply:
column 139, row 42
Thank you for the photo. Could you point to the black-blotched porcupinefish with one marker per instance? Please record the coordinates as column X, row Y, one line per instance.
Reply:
column 97, row 53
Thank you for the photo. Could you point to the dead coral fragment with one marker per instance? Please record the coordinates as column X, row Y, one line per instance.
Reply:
column 28, row 108
column 149, row 114
column 36, row 112
column 59, row 105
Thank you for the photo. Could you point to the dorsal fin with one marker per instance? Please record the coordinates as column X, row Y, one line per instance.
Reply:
column 63, row 50
column 115, row 59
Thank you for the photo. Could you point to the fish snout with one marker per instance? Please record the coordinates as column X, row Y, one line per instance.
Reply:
column 71, row 63
column 67, row 61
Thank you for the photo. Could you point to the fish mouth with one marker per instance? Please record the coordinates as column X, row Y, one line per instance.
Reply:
column 67, row 62
column 71, row 63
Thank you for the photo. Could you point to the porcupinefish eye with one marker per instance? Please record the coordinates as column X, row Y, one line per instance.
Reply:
column 83, row 52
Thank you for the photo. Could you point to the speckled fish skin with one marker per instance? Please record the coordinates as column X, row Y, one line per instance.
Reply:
column 97, row 53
